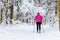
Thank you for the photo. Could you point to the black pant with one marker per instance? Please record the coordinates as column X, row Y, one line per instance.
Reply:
column 38, row 25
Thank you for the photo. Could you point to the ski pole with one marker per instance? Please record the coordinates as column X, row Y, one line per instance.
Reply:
column 42, row 27
column 34, row 27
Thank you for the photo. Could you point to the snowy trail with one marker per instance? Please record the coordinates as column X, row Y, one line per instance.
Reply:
column 24, row 32
column 16, row 32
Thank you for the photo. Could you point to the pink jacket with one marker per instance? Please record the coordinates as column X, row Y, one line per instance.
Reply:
column 38, row 18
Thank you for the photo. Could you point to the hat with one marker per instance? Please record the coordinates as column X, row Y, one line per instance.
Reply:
column 38, row 13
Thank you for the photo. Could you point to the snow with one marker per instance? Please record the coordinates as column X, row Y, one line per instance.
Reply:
column 23, row 31
column 1, row 5
column 26, row 7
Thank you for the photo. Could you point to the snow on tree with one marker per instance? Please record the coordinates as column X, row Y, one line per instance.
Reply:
column 25, row 10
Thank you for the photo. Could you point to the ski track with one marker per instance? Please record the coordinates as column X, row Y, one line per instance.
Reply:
column 25, row 32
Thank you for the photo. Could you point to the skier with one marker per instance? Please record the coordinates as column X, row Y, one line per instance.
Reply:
column 38, row 19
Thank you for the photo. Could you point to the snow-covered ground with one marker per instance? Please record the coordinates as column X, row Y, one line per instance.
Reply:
column 23, row 31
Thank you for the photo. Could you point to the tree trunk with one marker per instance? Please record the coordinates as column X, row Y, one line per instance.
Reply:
column 59, row 13
column 6, row 16
column 11, row 14
column 0, row 15
column 39, row 1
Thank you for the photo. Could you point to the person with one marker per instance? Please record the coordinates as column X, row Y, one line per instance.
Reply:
column 38, row 19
